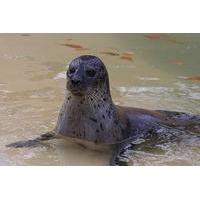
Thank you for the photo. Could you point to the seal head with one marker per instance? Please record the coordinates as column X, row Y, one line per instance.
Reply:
column 85, row 74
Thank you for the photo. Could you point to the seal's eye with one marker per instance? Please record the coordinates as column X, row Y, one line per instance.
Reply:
column 91, row 72
column 72, row 70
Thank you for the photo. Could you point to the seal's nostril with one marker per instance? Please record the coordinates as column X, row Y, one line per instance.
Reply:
column 75, row 81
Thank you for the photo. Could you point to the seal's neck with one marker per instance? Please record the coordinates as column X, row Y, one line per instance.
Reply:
column 92, row 117
column 92, row 105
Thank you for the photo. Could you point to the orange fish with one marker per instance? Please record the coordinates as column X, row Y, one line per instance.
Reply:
column 110, row 53
column 153, row 36
column 74, row 46
column 126, row 58
column 171, row 39
column 81, row 49
column 174, row 40
column 127, row 54
column 194, row 78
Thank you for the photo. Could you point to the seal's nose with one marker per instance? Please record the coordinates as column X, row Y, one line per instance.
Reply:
column 76, row 80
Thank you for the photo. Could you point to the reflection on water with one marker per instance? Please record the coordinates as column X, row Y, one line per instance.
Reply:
column 154, row 71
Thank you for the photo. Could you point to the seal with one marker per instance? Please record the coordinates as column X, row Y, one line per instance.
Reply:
column 89, row 116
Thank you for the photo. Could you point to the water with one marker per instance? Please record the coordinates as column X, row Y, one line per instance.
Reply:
column 146, row 70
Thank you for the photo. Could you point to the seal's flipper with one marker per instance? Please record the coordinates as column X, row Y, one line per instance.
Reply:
column 34, row 142
column 158, row 134
column 186, row 121
column 119, row 156
column 47, row 136
column 181, row 115
column 24, row 144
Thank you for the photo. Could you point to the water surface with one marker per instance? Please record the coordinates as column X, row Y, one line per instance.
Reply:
column 146, row 70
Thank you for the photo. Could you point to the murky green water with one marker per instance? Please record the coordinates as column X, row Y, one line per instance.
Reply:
column 146, row 70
